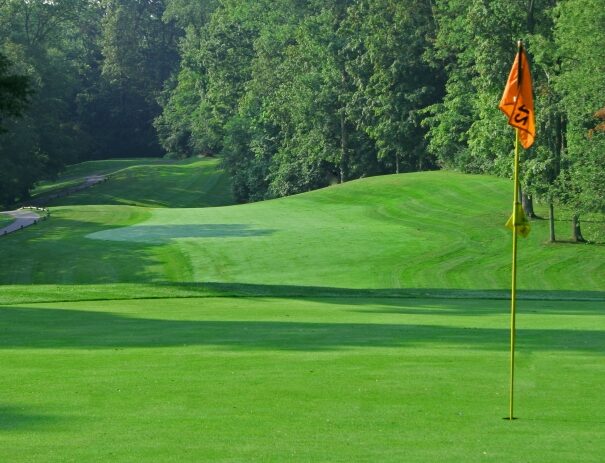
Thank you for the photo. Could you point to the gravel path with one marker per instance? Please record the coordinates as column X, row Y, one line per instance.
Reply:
column 23, row 218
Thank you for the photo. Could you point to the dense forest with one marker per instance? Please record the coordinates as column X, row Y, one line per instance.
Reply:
column 294, row 95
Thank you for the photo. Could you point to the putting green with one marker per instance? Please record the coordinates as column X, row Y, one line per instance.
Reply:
column 362, row 322
column 266, row 379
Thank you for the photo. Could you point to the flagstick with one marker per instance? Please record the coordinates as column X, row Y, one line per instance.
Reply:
column 514, row 277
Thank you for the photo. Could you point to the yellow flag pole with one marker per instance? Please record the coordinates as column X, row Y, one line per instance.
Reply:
column 514, row 276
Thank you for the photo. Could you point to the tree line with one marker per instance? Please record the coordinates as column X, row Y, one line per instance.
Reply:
column 296, row 94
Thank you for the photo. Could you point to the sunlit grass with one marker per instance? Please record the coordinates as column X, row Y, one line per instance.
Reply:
column 427, row 230
column 361, row 322
column 146, row 182
column 299, row 379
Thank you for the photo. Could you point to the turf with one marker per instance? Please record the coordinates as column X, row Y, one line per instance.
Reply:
column 77, row 173
column 362, row 322
column 434, row 230
column 147, row 182
column 264, row 379
column 5, row 220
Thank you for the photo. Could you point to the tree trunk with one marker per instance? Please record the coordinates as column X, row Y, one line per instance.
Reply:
column 575, row 230
column 343, row 146
column 528, row 205
column 530, row 16
column 551, row 221
column 396, row 163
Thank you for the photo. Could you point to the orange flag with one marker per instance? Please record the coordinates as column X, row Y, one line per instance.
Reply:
column 518, row 101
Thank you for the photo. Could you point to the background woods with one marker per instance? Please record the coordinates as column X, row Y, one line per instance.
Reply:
column 295, row 95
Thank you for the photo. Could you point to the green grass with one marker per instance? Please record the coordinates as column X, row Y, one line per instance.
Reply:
column 76, row 173
column 362, row 322
column 5, row 220
column 264, row 379
column 434, row 230
column 147, row 182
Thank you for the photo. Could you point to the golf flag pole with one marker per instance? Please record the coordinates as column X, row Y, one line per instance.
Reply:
column 513, row 293
column 517, row 104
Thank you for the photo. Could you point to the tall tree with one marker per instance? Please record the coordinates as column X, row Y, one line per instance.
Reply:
column 579, row 36
column 14, row 178
column 393, row 83
column 41, row 40
column 139, row 53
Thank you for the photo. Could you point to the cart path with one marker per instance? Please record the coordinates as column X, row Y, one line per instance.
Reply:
column 87, row 182
column 23, row 218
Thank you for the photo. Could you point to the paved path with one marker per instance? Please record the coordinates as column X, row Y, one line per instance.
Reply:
column 89, row 181
column 94, row 179
column 23, row 218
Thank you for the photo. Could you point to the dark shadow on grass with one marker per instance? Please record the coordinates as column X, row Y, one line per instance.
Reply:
column 388, row 300
column 59, row 328
column 18, row 419
column 58, row 250
column 251, row 289
column 157, row 234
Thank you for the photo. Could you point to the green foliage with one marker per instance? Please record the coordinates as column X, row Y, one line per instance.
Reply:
column 139, row 52
column 579, row 34
column 16, row 149
column 287, row 109
column 295, row 95
column 475, row 43
column 392, row 83
column 13, row 90
column 95, row 70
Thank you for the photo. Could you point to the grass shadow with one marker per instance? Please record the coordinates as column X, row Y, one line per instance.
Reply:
column 385, row 300
column 158, row 234
column 60, row 328
column 17, row 419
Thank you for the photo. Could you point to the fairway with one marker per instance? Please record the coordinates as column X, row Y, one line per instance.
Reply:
column 5, row 220
column 146, row 182
column 302, row 231
column 299, row 379
column 433, row 230
column 362, row 322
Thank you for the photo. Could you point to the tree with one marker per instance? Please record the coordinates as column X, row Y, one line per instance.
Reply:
column 139, row 53
column 392, row 81
column 579, row 36
column 14, row 91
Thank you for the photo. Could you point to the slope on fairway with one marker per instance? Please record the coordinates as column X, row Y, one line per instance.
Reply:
column 5, row 220
column 438, row 230
column 328, row 371
column 146, row 182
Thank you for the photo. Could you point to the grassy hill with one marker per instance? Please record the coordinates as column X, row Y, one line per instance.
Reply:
column 5, row 220
column 370, row 324
column 145, row 182
column 437, row 230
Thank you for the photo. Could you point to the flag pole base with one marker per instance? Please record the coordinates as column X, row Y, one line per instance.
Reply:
column 508, row 418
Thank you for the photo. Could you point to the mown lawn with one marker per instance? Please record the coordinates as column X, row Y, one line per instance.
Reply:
column 5, row 220
column 151, row 183
column 362, row 322
column 300, row 379
column 434, row 230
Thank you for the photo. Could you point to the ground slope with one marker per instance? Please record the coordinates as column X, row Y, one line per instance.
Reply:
column 146, row 364
column 438, row 230
column 146, row 182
